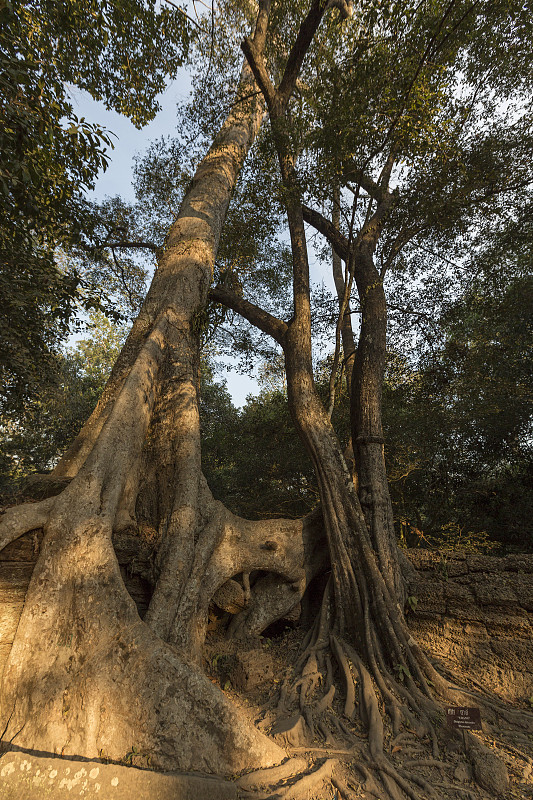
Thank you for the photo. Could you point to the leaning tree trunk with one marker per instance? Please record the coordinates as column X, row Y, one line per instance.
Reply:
column 85, row 675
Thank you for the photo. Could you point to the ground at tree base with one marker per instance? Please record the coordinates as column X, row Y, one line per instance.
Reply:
column 472, row 612
column 451, row 775
column 252, row 674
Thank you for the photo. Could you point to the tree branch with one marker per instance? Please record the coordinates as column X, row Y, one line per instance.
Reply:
column 262, row 25
column 384, row 178
column 305, row 36
column 132, row 244
column 253, row 50
column 300, row 47
column 257, row 65
column 403, row 238
column 375, row 191
column 181, row 11
column 257, row 316
column 339, row 242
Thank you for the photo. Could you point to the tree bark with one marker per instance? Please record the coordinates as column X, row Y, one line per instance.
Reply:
column 85, row 675
column 365, row 412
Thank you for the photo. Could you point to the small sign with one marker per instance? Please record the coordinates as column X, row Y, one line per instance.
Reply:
column 464, row 718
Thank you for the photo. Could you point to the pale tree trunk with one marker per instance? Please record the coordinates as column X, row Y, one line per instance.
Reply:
column 86, row 676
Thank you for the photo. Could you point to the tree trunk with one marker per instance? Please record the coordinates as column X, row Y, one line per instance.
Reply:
column 346, row 330
column 85, row 675
column 362, row 617
column 365, row 412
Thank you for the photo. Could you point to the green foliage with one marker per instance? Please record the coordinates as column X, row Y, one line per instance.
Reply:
column 33, row 440
column 459, row 428
column 110, row 271
column 443, row 88
column 252, row 458
column 121, row 53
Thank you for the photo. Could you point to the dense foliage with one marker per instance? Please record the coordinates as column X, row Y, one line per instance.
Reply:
column 121, row 53
column 32, row 440
column 460, row 454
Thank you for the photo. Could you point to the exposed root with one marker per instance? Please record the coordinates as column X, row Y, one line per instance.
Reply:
column 395, row 779
column 373, row 689
column 273, row 775
column 369, row 705
column 308, row 716
column 370, row 784
column 302, row 789
column 310, row 679
column 425, row 762
column 459, row 789
column 349, row 703
column 326, row 701
column 18, row 520
column 343, row 788
column 322, row 750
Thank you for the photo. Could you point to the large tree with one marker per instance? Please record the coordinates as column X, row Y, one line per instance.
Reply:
column 138, row 458
column 85, row 674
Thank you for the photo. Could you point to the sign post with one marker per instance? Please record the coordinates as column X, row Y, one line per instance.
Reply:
column 463, row 718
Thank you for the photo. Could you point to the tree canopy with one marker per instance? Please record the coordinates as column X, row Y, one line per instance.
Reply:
column 121, row 53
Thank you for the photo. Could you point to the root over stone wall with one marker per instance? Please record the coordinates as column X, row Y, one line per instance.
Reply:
column 471, row 611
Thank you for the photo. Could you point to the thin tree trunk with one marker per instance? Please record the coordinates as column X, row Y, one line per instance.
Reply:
column 367, row 431
column 348, row 342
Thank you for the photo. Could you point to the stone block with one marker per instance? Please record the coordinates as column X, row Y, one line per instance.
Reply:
column 28, row 777
column 26, row 548
column 251, row 670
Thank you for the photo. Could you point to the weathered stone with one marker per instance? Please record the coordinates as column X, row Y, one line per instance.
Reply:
column 14, row 578
column 430, row 595
column 489, row 770
column 24, row 549
column 230, row 597
column 39, row 486
column 519, row 562
column 28, row 777
column 463, row 773
column 501, row 595
column 251, row 669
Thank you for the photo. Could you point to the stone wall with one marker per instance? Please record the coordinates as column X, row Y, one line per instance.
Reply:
column 16, row 566
column 477, row 612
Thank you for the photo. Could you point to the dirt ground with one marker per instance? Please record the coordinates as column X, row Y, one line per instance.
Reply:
column 253, row 675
